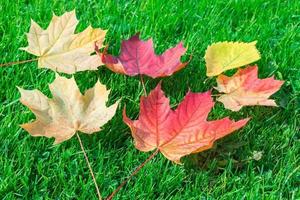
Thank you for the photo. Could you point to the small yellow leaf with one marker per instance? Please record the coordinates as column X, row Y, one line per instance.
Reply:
column 59, row 49
column 68, row 111
column 257, row 155
column 223, row 56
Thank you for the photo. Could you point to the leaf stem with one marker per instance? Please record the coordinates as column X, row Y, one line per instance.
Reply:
column 132, row 174
column 143, row 84
column 89, row 165
column 18, row 62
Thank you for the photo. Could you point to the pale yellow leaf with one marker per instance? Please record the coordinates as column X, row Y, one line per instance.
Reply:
column 223, row 56
column 68, row 111
column 59, row 49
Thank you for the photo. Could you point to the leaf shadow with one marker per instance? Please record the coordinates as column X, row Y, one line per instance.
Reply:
column 218, row 158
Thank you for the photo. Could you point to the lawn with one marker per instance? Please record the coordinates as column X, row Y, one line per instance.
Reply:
column 32, row 168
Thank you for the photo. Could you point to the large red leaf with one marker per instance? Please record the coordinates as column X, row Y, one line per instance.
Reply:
column 180, row 132
column 138, row 57
column 244, row 88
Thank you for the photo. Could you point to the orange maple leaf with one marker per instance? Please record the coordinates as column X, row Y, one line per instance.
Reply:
column 180, row 132
column 244, row 88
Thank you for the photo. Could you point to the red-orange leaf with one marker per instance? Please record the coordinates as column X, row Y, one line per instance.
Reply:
column 244, row 88
column 180, row 132
column 138, row 57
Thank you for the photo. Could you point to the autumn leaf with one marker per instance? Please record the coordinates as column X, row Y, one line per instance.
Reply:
column 68, row 111
column 223, row 56
column 138, row 57
column 59, row 49
column 180, row 132
column 244, row 88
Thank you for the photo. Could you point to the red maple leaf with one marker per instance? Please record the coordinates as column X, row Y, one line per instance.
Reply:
column 138, row 57
column 176, row 133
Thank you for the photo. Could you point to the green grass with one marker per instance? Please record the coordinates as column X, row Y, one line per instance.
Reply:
column 32, row 168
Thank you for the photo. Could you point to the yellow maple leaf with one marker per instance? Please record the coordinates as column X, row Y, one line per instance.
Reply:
column 68, row 111
column 222, row 56
column 59, row 49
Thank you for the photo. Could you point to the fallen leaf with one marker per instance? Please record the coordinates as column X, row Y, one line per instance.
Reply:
column 138, row 57
column 180, row 132
column 244, row 88
column 222, row 56
column 257, row 155
column 59, row 49
column 68, row 111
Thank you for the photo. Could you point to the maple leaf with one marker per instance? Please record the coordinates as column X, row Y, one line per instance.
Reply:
column 68, row 111
column 180, row 132
column 138, row 57
column 222, row 56
column 59, row 49
column 244, row 88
